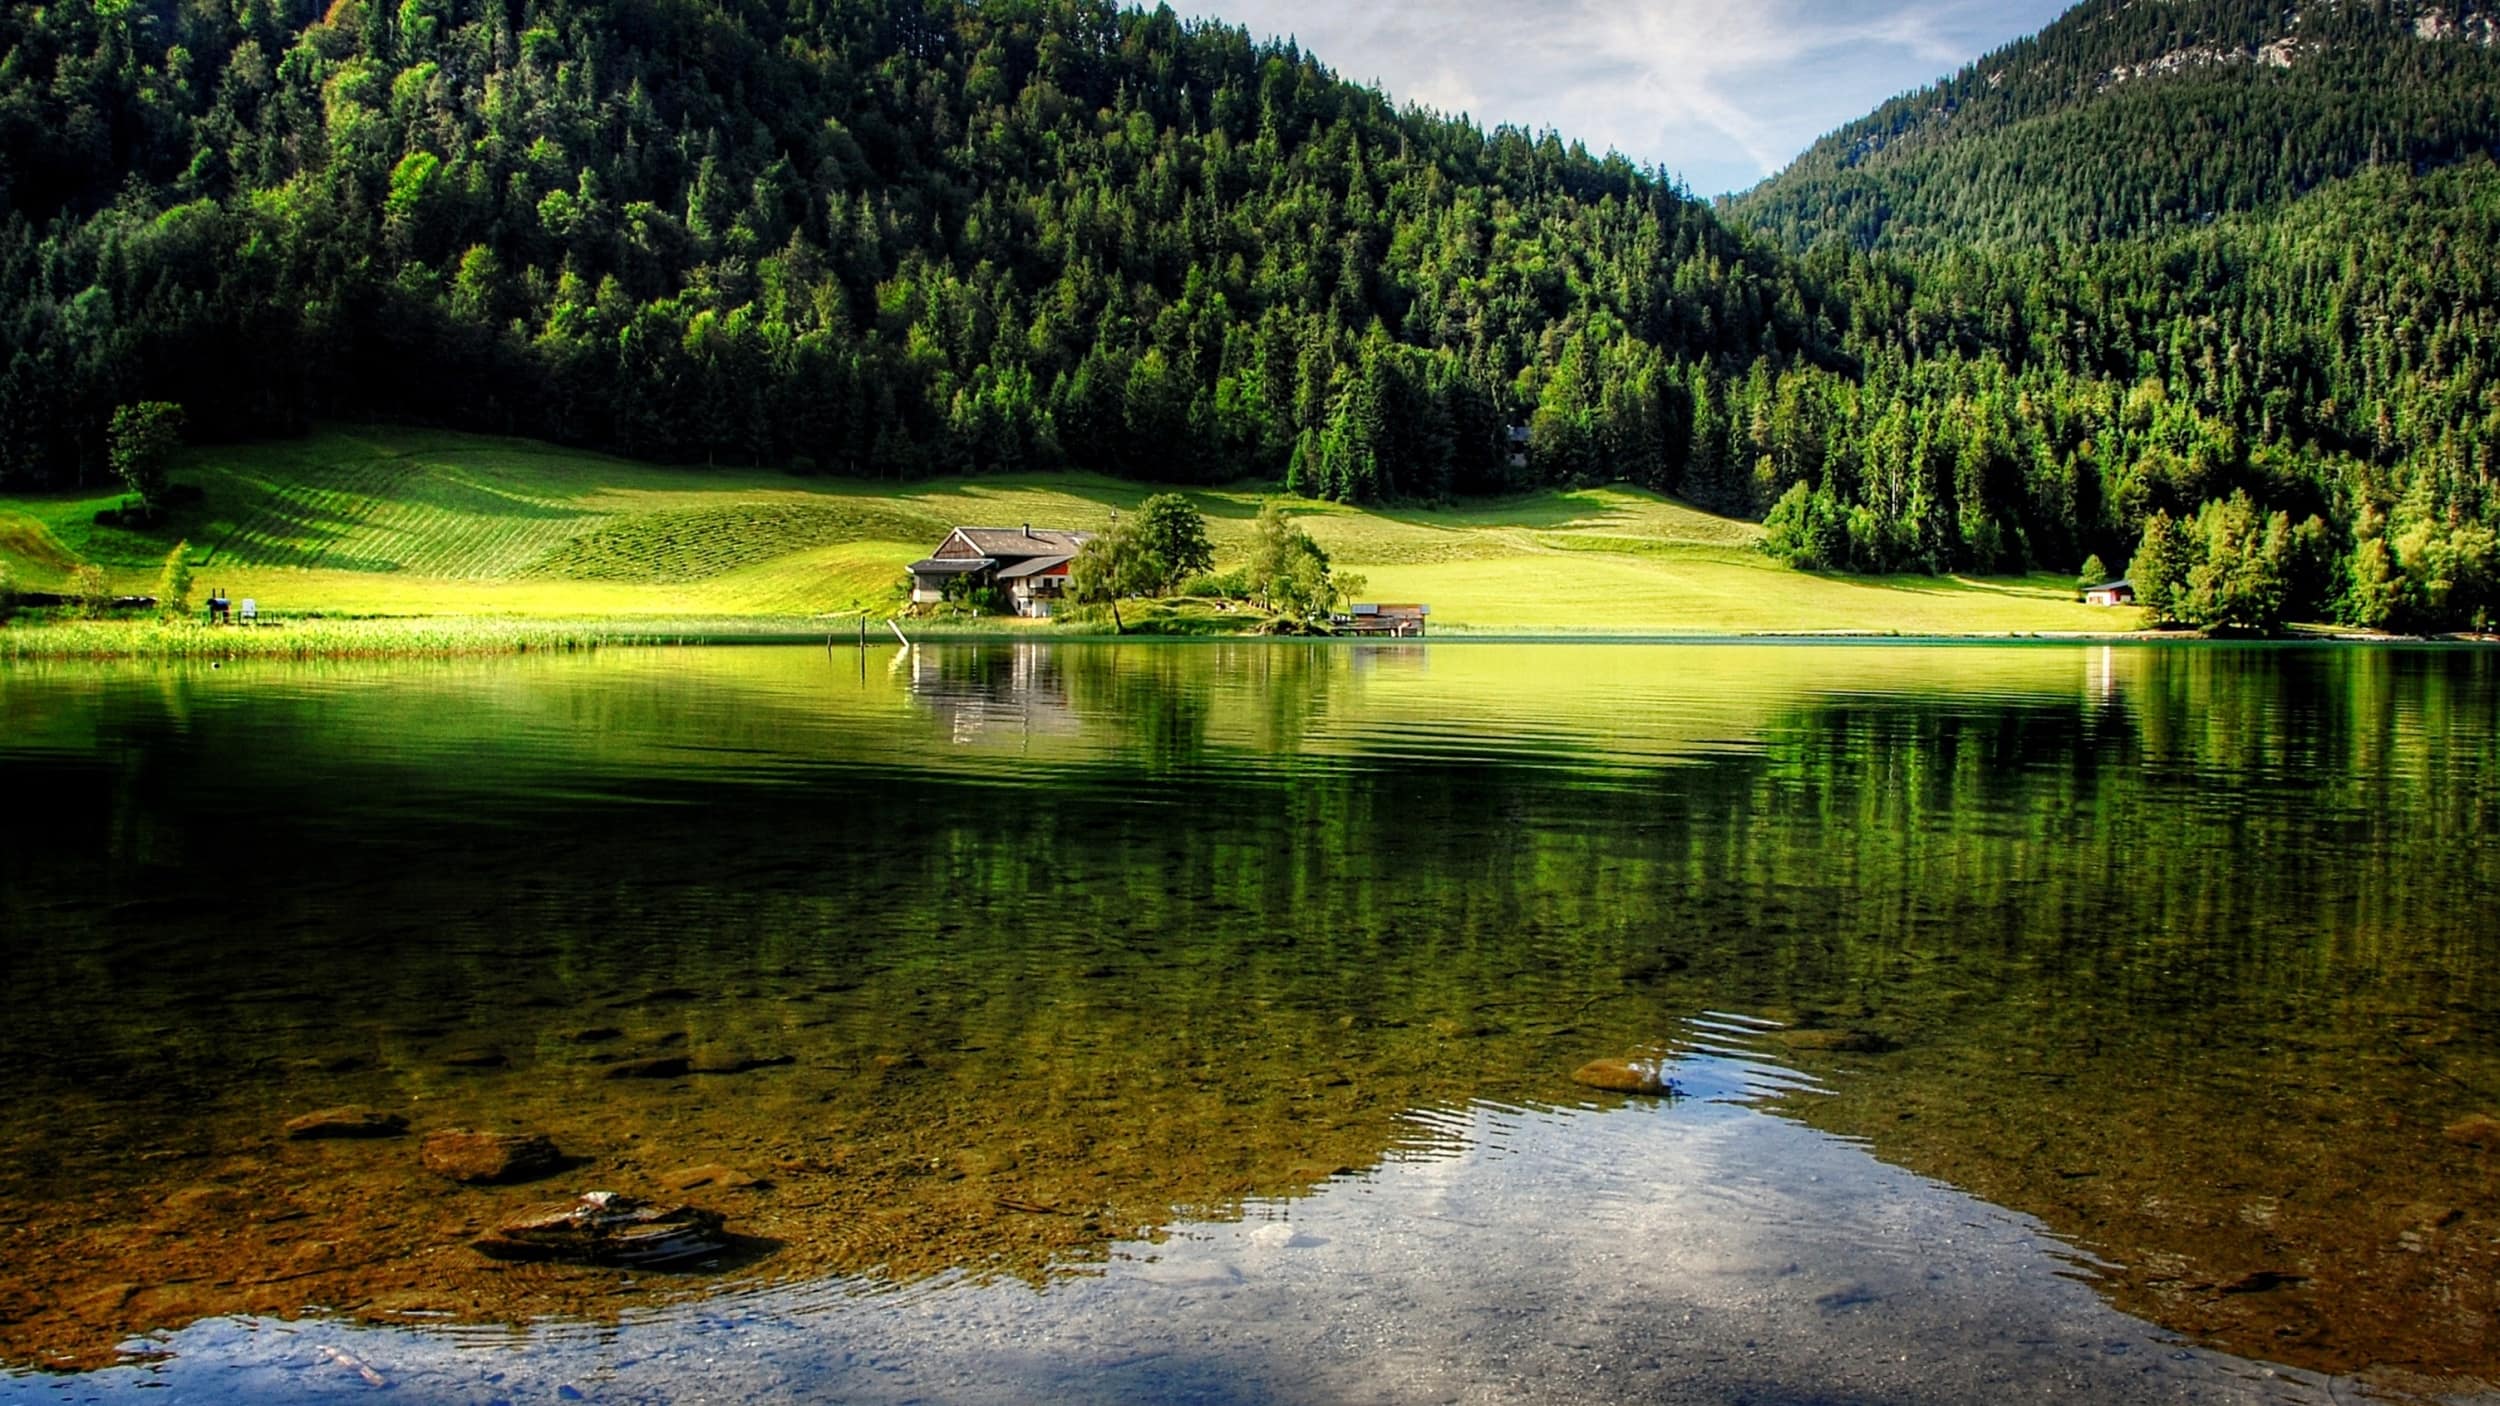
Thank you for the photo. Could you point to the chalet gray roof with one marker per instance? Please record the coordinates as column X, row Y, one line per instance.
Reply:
column 1035, row 567
column 944, row 566
column 1022, row 541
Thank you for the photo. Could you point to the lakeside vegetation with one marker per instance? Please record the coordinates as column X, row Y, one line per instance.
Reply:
column 70, row 637
column 390, row 522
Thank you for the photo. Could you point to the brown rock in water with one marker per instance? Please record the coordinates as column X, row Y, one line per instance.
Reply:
column 2475, row 1130
column 1619, row 1076
column 2262, row 1281
column 109, row 1300
column 346, row 1121
column 221, row 1202
column 714, row 1175
column 1844, row 1041
column 735, row 1062
column 489, row 1158
column 604, row 1228
column 1654, row 969
column 656, row 1067
column 2423, row 1216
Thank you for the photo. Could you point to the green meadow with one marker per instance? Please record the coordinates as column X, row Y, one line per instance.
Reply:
column 387, row 522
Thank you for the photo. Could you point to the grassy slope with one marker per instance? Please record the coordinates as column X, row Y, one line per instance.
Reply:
column 417, row 522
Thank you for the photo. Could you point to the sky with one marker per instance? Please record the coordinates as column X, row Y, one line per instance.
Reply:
column 1721, row 92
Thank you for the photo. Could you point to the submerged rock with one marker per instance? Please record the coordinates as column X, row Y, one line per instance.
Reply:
column 736, row 1062
column 221, row 1202
column 1843, row 1041
column 1655, row 969
column 489, row 1158
column 2262, row 1281
column 655, row 1067
column 1623, row 1076
column 714, row 1175
column 346, row 1121
column 2475, row 1130
column 602, row 1227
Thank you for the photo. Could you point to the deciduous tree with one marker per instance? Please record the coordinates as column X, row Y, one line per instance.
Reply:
column 1171, row 535
column 1289, row 573
column 142, row 440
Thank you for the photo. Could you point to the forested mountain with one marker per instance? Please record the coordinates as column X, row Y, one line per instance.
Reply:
column 2131, row 116
column 882, row 237
column 892, row 238
column 2334, row 359
column 2164, row 258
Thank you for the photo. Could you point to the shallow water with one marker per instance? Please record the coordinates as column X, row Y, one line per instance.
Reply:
column 1196, row 1022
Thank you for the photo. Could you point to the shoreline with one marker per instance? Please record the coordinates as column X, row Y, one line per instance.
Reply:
column 419, row 637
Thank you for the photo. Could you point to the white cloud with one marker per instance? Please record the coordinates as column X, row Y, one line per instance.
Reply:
column 1721, row 91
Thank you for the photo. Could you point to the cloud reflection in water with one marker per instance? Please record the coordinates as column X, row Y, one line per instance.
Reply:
column 1701, row 1248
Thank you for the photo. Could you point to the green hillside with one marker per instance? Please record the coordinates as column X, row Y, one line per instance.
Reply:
column 403, row 522
column 2125, row 118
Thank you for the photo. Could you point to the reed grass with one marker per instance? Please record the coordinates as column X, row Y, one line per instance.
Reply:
column 441, row 636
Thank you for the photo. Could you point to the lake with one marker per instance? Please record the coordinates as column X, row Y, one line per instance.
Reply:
column 1198, row 1021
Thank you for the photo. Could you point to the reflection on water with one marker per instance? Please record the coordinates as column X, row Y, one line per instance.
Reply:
column 1693, row 1250
column 1015, row 964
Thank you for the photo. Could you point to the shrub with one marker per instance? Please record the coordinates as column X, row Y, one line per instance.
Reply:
column 978, row 600
column 173, row 584
column 92, row 592
column 1219, row 585
column 1289, row 573
column 1807, row 530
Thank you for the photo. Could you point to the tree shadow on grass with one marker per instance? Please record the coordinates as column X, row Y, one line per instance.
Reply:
column 1102, row 500
column 1575, row 509
column 287, row 524
column 2012, row 589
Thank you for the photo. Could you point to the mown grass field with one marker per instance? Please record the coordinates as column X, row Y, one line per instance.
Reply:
column 398, row 522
